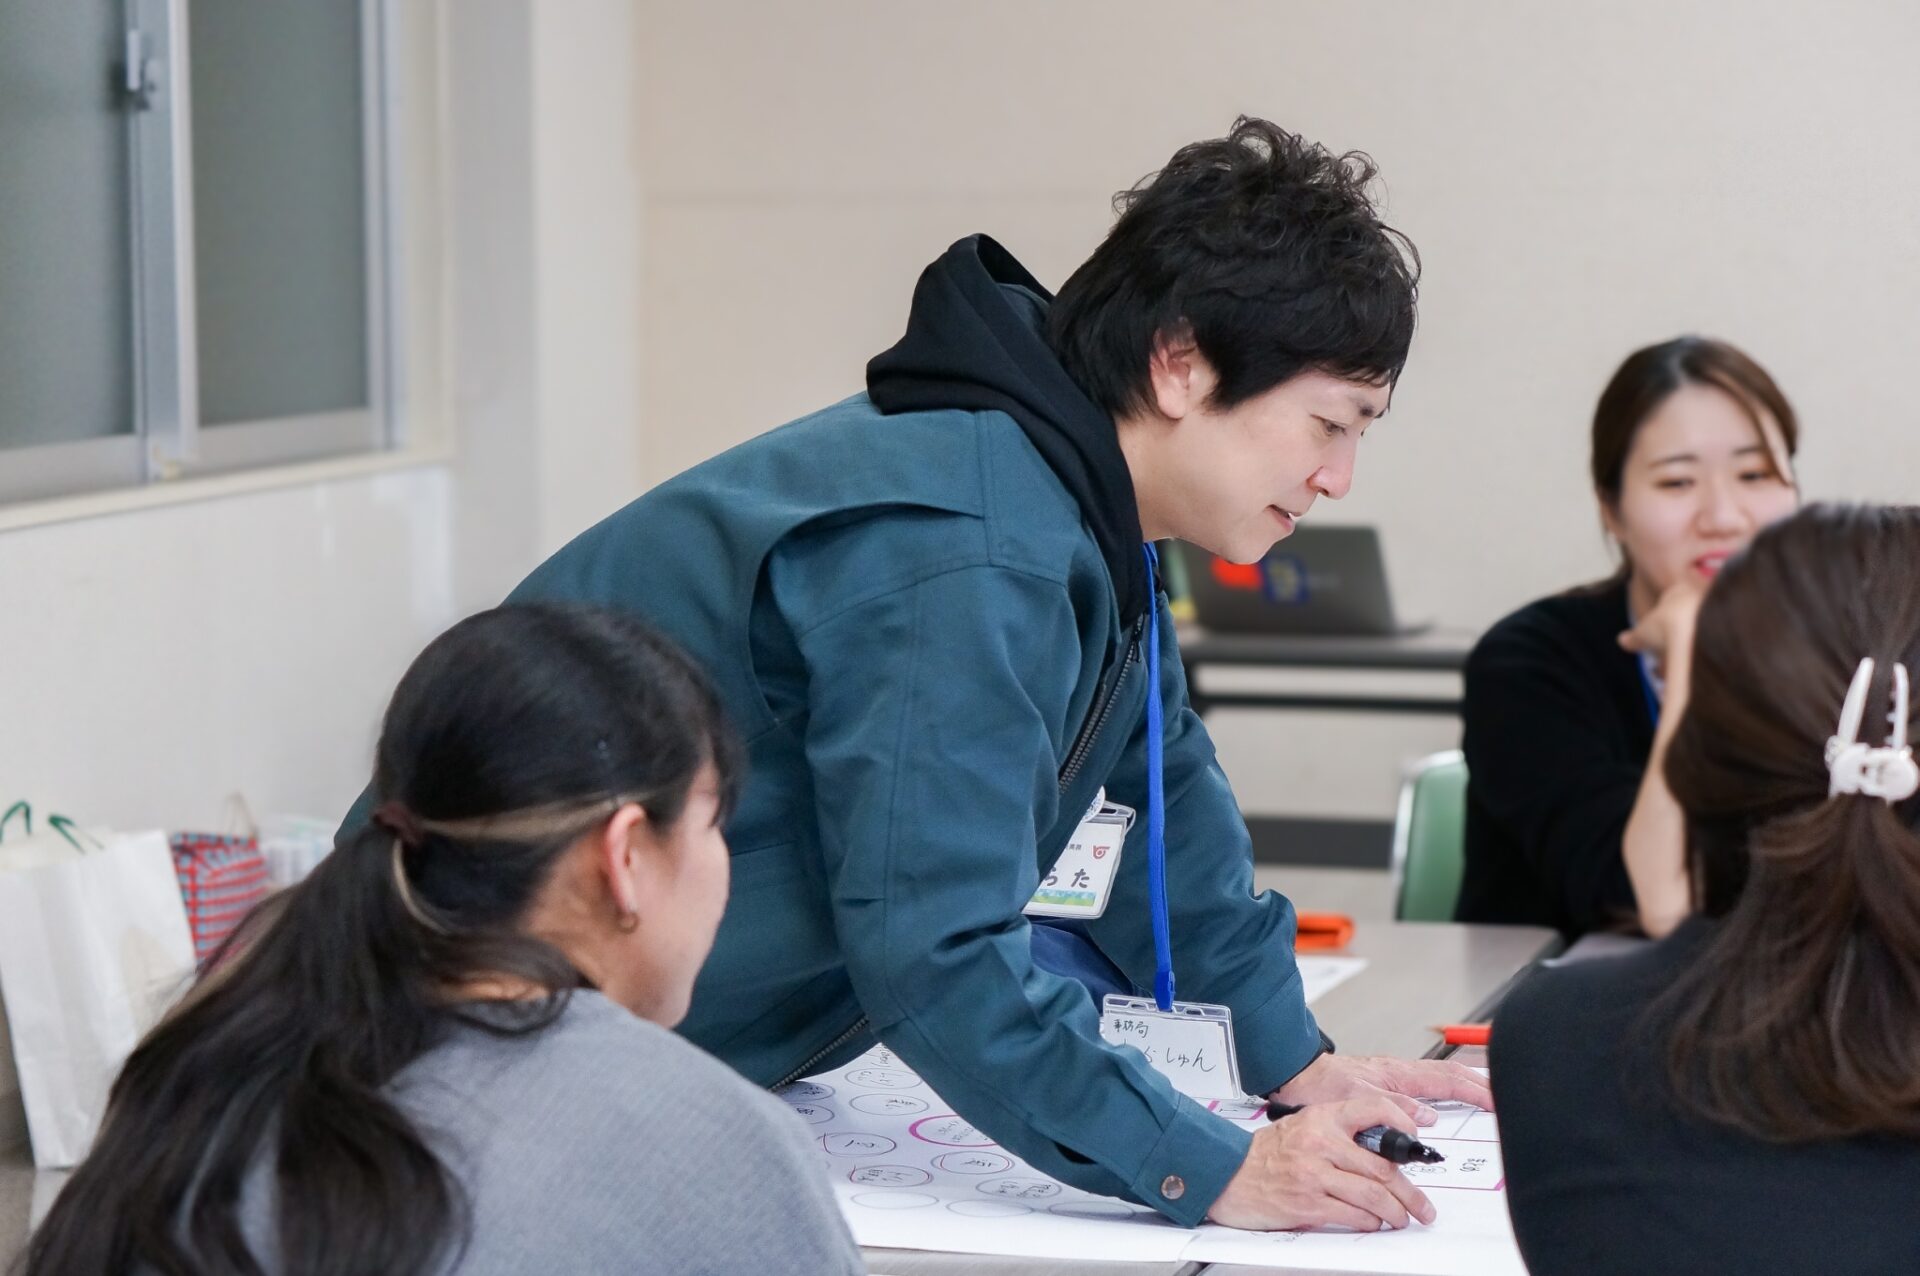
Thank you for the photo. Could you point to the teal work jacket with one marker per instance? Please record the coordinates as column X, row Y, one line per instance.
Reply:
column 917, row 638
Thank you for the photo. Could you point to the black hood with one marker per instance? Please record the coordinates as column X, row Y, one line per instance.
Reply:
column 974, row 341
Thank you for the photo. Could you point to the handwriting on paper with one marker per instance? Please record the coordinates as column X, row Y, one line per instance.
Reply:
column 1191, row 1046
column 1470, row 1164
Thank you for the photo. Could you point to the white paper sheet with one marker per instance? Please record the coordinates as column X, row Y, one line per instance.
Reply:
column 1470, row 1238
column 911, row 1174
column 1320, row 974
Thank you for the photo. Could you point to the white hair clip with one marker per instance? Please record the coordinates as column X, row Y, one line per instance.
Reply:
column 1889, row 772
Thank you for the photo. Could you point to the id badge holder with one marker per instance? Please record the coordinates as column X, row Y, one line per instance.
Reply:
column 1081, row 880
column 1190, row 1045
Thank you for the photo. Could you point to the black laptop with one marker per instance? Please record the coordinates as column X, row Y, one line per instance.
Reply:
column 1320, row 580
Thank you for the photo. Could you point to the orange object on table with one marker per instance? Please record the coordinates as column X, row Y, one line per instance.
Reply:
column 1322, row 930
column 1465, row 1034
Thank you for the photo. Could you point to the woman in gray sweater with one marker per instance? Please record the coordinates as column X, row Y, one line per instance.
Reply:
column 450, row 1049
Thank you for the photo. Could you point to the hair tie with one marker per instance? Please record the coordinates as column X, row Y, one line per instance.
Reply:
column 1887, row 772
column 394, row 817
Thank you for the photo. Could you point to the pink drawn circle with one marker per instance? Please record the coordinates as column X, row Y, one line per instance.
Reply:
column 965, row 1136
column 973, row 1162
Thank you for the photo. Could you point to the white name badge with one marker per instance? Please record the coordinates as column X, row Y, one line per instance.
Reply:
column 1190, row 1045
column 1080, row 881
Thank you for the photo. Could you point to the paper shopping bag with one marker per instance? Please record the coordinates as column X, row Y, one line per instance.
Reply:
column 94, row 946
column 222, row 876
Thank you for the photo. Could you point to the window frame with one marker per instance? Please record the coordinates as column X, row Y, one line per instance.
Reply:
column 167, row 441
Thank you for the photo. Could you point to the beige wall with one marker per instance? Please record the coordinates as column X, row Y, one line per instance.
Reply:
column 587, row 224
column 1581, row 178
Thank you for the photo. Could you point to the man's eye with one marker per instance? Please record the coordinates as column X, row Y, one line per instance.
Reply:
column 1334, row 428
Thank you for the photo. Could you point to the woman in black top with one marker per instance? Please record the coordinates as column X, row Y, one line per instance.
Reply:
column 1567, row 824
column 1744, row 1096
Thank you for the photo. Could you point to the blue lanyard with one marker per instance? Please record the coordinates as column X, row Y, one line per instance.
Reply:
column 1646, row 689
column 1640, row 672
column 1156, row 808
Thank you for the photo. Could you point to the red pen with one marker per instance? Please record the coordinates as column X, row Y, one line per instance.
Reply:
column 1465, row 1034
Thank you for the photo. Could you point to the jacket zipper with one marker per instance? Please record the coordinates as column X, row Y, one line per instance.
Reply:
column 859, row 1026
column 1082, row 747
column 1076, row 758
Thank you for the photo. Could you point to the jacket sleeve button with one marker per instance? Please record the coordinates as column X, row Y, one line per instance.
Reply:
column 1173, row 1187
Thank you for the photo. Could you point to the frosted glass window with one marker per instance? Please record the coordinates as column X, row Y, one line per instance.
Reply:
column 279, row 198
column 194, row 231
column 66, row 284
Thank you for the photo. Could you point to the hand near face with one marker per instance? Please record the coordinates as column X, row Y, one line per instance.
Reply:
column 1665, row 634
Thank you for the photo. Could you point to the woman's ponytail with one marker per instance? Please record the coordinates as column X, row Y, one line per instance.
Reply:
column 510, row 737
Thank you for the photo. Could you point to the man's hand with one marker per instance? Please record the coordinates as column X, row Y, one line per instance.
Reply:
column 1305, row 1170
column 1403, row 1082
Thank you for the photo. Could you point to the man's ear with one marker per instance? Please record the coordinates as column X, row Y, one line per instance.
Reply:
column 1180, row 378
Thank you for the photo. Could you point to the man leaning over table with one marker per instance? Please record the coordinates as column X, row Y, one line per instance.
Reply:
column 931, row 612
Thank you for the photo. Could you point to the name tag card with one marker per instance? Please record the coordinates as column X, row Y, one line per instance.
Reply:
column 1190, row 1045
column 1081, row 880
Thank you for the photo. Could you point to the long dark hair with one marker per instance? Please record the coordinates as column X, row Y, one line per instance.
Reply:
column 1264, row 247
column 546, row 715
column 1800, row 1020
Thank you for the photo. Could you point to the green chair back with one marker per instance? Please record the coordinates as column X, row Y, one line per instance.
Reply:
column 1429, row 838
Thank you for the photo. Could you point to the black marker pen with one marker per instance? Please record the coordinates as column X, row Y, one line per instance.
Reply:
column 1381, row 1140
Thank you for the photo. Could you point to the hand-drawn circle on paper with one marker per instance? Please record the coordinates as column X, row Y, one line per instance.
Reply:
column 949, row 1131
column 888, row 1104
column 894, row 1200
column 989, row 1209
column 1024, row 1189
column 857, row 1144
column 890, row 1176
column 805, row 1092
column 973, row 1162
column 884, row 1078
column 812, row 1115
column 1095, row 1209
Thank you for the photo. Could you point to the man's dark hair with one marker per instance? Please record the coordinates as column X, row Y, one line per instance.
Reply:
column 1263, row 247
